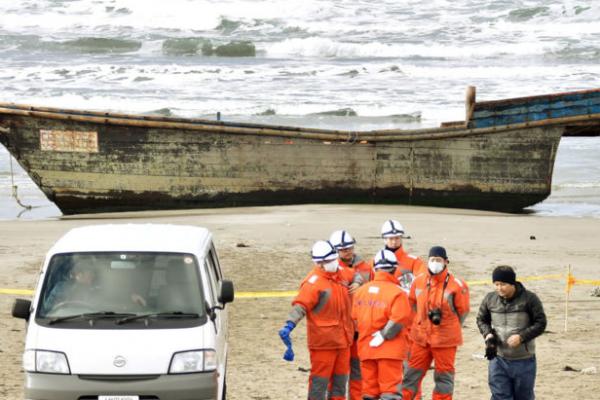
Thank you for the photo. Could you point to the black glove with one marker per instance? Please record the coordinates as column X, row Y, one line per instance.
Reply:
column 491, row 348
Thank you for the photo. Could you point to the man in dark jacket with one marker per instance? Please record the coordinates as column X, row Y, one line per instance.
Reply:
column 510, row 318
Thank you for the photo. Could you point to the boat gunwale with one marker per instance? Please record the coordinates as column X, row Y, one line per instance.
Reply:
column 294, row 132
column 160, row 118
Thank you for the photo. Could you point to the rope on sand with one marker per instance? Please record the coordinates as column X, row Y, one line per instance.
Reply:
column 14, row 187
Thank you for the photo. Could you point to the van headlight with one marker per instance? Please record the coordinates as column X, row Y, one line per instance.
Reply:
column 50, row 362
column 186, row 362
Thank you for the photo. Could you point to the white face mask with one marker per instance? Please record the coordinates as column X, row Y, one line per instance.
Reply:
column 331, row 266
column 435, row 267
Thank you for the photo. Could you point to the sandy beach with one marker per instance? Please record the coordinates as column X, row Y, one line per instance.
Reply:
column 278, row 241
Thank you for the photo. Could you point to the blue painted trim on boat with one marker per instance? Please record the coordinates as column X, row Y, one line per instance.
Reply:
column 535, row 109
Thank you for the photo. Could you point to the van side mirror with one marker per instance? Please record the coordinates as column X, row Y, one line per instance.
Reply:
column 21, row 309
column 226, row 293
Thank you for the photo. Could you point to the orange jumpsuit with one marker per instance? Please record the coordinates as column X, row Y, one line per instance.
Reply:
column 408, row 264
column 325, row 302
column 359, row 271
column 435, row 342
column 381, row 305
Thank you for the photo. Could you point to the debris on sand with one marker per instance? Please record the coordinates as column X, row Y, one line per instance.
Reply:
column 589, row 371
column 586, row 371
column 595, row 292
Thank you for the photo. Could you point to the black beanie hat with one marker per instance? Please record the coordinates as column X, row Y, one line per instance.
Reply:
column 438, row 251
column 505, row 274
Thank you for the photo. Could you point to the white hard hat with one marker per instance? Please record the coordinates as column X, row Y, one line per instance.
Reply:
column 385, row 259
column 391, row 228
column 322, row 250
column 341, row 240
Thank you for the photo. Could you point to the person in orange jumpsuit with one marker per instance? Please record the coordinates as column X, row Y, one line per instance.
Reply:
column 409, row 265
column 355, row 271
column 325, row 302
column 382, row 314
column 441, row 301
column 362, row 271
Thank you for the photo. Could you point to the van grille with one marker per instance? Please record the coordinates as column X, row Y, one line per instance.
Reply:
column 118, row 377
column 140, row 397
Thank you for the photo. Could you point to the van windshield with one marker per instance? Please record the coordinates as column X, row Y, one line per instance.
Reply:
column 121, row 284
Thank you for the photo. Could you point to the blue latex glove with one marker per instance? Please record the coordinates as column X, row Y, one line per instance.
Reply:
column 284, row 334
column 289, row 354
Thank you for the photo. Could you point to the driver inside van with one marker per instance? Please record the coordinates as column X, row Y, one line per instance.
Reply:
column 81, row 287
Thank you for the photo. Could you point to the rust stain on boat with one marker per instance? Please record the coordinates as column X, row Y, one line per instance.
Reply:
column 79, row 141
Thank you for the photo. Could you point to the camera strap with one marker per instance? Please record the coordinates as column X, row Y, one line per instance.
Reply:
column 443, row 290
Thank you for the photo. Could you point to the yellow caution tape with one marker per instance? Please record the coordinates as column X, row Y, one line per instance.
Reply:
column 478, row 283
column 24, row 292
column 521, row 279
column 586, row 282
column 239, row 295
column 292, row 293
column 262, row 295
column 542, row 278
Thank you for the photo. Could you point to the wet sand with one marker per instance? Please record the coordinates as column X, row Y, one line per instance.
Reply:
column 277, row 258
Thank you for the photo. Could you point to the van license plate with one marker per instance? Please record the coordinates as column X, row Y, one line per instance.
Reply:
column 113, row 397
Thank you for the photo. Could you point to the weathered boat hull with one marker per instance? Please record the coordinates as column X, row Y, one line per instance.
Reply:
column 87, row 163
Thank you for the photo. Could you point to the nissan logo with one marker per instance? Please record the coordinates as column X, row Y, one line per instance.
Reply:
column 119, row 361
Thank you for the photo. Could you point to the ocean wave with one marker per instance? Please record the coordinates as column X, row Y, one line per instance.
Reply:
column 228, row 26
column 582, row 145
column 267, row 112
column 163, row 112
column 232, row 49
column 329, row 48
column 342, row 112
column 575, row 52
column 567, row 208
column 195, row 46
column 101, row 45
column 525, row 14
column 186, row 46
column 86, row 45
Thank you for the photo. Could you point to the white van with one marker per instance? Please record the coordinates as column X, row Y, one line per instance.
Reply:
column 128, row 312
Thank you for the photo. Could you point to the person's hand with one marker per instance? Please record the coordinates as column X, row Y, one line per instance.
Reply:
column 284, row 334
column 514, row 341
column 139, row 300
column 289, row 353
column 491, row 347
column 377, row 340
column 352, row 288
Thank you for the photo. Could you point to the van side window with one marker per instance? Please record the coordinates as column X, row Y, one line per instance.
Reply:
column 212, row 279
column 213, row 255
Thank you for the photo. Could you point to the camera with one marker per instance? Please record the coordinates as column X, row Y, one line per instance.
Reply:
column 491, row 347
column 435, row 316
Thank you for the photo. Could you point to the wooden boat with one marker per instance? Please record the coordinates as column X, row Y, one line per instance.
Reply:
column 500, row 158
